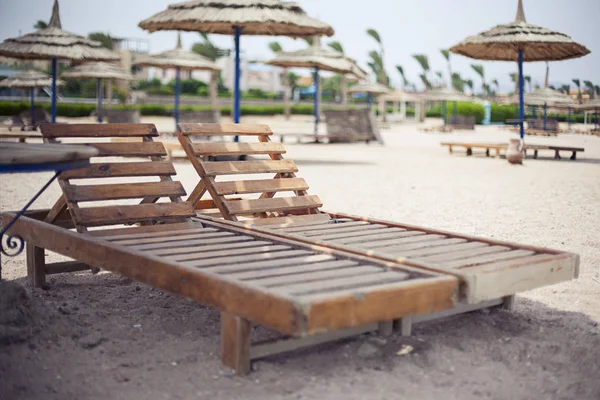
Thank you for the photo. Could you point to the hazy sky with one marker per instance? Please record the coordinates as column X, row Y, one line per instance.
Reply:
column 406, row 26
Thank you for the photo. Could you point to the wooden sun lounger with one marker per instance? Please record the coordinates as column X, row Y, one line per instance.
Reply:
column 498, row 147
column 489, row 270
column 309, row 294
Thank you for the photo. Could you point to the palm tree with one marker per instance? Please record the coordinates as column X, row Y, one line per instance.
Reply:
column 40, row 25
column 440, row 76
column 206, row 48
column 376, row 65
column 577, row 83
column 597, row 89
column 457, row 82
column 589, row 88
column 515, row 78
column 337, row 46
column 103, row 38
column 446, row 54
column 309, row 40
column 470, row 84
column 382, row 77
column 527, row 79
column 275, row 47
column 481, row 72
column 495, row 83
column 404, row 80
column 565, row 89
column 423, row 61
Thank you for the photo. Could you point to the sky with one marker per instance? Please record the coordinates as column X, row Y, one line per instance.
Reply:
column 407, row 27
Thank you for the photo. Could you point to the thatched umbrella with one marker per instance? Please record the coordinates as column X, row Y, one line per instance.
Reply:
column 181, row 60
column 444, row 95
column 234, row 17
column 593, row 105
column 52, row 43
column 99, row 71
column 29, row 80
column 520, row 42
column 318, row 58
column 370, row 89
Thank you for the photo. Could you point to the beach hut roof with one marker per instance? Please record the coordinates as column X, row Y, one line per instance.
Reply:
column 373, row 88
column 29, row 80
column 255, row 17
column 503, row 43
column 184, row 59
column 97, row 70
column 316, row 56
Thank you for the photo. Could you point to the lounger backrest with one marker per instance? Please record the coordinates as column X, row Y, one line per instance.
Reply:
column 79, row 190
column 349, row 123
column 255, row 155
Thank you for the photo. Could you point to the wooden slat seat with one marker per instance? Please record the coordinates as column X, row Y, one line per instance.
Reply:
column 498, row 147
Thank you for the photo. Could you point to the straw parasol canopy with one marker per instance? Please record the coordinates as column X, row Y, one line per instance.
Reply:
column 29, row 80
column 446, row 94
column 590, row 105
column 503, row 42
column 371, row 88
column 547, row 96
column 53, row 42
column 255, row 17
column 98, row 70
column 400, row 95
column 177, row 58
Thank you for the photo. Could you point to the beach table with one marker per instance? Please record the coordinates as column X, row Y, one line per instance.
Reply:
column 23, row 157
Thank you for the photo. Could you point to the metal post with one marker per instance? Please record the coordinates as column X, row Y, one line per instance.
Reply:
column 545, row 115
column 370, row 101
column 236, row 90
column 596, row 119
column 54, row 72
column 177, row 93
column 569, row 118
column 444, row 112
column 454, row 113
column 99, row 99
column 316, row 106
column 534, row 108
column 32, row 106
column 521, row 99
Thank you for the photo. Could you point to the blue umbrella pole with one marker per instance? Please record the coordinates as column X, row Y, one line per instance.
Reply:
column 370, row 100
column 177, row 92
column 454, row 113
column 444, row 112
column 32, row 94
column 596, row 119
column 569, row 118
column 236, row 93
column 534, row 112
column 545, row 115
column 316, row 106
column 521, row 99
column 99, row 99
column 54, row 72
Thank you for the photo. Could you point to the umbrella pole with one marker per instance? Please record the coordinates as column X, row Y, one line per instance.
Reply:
column 545, row 115
column 370, row 102
column 454, row 113
column 236, row 94
column 534, row 112
column 521, row 100
column 177, row 91
column 596, row 119
column 99, row 99
column 316, row 106
column 32, row 94
column 569, row 118
column 54, row 72
column 444, row 112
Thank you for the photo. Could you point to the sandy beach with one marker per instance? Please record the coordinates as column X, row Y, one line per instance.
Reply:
column 106, row 337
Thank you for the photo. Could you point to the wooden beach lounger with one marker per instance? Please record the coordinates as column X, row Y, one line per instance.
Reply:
column 489, row 270
column 498, row 147
column 307, row 293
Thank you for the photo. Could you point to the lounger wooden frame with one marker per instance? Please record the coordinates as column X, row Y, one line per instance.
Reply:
column 488, row 269
column 498, row 147
column 308, row 293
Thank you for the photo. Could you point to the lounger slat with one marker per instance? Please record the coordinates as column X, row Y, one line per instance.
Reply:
column 97, row 216
column 343, row 229
column 467, row 262
column 198, row 242
column 420, row 242
column 120, row 191
column 314, row 276
column 99, row 130
column 389, row 232
column 457, row 255
column 261, row 186
column 443, row 249
column 114, row 170
column 332, row 225
column 248, row 167
column 232, row 243
column 224, row 130
column 353, row 282
column 379, row 237
column 226, row 253
column 232, row 148
column 295, row 220
column 292, row 270
column 174, row 238
column 238, row 207
column 163, row 234
column 414, row 236
column 230, row 262
column 145, row 149
column 265, row 265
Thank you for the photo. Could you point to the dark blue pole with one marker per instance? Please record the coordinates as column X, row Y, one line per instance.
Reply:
column 32, row 106
column 370, row 101
column 596, row 119
column 177, row 91
column 521, row 99
column 236, row 93
column 534, row 112
column 454, row 113
column 99, row 98
column 545, row 115
column 54, row 72
column 444, row 112
column 569, row 118
column 316, row 110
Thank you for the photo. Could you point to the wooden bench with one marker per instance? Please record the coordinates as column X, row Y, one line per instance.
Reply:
column 498, row 147
column 122, row 116
column 462, row 122
column 309, row 294
column 274, row 200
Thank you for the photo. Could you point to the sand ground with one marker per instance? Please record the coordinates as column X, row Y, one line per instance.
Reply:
column 103, row 336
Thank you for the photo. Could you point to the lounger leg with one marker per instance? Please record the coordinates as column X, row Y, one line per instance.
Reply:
column 487, row 152
column 404, row 326
column 469, row 151
column 508, row 303
column 386, row 328
column 235, row 343
column 450, row 149
column 535, row 154
column 36, row 265
column 557, row 155
column 574, row 156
